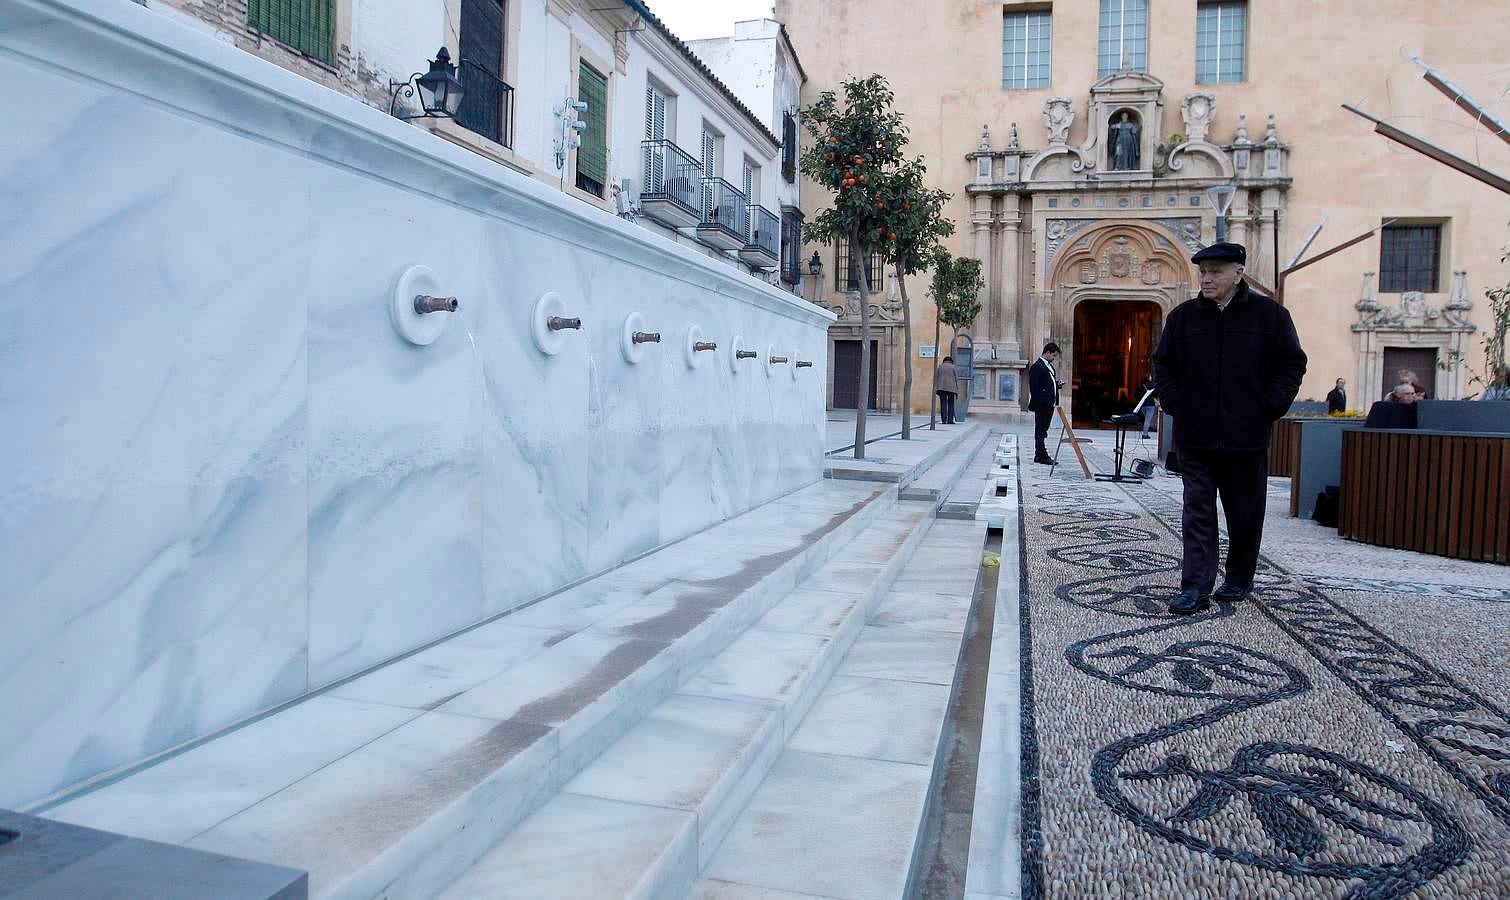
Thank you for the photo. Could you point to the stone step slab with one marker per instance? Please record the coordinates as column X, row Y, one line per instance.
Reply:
column 941, row 477
column 430, row 760
column 703, row 751
column 856, row 776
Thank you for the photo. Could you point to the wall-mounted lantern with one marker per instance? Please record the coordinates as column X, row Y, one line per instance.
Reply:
column 440, row 91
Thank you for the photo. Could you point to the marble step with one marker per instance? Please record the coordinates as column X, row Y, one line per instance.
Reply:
column 644, row 818
column 395, row 782
column 903, row 462
column 841, row 813
column 994, row 460
column 996, row 504
column 941, row 477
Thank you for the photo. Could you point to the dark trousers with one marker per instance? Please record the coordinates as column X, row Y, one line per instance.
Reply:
column 1041, row 420
column 946, row 407
column 1240, row 478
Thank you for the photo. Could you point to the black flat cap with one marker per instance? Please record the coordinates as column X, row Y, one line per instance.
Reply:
column 1222, row 251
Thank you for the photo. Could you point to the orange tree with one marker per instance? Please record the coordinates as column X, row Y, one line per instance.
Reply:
column 957, row 283
column 857, row 143
column 916, row 228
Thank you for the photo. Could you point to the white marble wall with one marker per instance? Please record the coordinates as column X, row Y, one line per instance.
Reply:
column 227, row 480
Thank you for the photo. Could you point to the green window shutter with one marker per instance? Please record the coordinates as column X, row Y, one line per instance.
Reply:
column 307, row 26
column 592, row 156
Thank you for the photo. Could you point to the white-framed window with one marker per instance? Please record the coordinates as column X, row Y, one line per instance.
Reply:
column 660, row 113
column 1220, row 41
column 751, row 182
column 1124, row 30
column 1026, row 49
column 713, row 152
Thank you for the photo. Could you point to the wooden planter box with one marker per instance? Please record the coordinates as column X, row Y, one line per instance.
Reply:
column 1435, row 492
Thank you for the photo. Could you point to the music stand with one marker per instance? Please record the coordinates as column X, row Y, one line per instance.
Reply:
column 1121, row 421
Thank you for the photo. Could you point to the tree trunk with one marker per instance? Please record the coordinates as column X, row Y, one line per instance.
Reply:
column 855, row 247
column 906, row 357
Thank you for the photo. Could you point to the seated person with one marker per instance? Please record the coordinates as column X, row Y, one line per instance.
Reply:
column 1399, row 411
column 1407, row 376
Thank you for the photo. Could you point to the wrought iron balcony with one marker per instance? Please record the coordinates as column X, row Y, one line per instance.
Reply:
column 726, row 216
column 673, row 181
column 487, row 107
column 763, row 248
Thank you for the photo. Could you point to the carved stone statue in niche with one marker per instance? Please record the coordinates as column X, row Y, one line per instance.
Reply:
column 1124, row 135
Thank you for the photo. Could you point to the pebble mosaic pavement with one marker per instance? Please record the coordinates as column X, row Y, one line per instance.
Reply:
column 1342, row 738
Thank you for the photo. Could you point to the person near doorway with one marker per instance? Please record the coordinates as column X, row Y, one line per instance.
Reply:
column 1336, row 399
column 946, row 385
column 1228, row 364
column 1043, row 395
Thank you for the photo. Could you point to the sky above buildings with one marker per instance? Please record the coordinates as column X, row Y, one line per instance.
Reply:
column 695, row 19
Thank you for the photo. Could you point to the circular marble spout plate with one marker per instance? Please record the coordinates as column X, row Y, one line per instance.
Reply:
column 694, row 334
column 633, row 353
column 796, row 355
column 417, row 329
column 548, row 342
column 736, row 345
column 770, row 367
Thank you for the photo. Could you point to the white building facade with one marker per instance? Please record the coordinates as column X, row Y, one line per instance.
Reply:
column 597, row 99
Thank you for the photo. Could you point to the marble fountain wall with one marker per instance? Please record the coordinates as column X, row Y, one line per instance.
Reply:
column 228, row 481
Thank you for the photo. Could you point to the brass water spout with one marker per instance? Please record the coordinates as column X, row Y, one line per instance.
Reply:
column 557, row 323
column 424, row 303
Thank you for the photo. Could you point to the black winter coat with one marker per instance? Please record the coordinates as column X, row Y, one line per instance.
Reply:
column 1226, row 376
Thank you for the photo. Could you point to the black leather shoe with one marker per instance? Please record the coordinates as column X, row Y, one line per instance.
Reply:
column 1231, row 593
column 1046, row 460
column 1190, row 601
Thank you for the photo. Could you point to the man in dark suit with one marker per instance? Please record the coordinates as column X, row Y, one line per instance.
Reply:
column 1228, row 364
column 1336, row 399
column 1043, row 396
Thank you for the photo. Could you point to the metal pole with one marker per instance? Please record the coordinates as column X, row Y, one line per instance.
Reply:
column 1276, row 247
column 1221, row 227
column 1436, row 153
column 933, row 396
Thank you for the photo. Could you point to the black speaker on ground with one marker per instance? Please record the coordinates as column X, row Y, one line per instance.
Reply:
column 1327, row 504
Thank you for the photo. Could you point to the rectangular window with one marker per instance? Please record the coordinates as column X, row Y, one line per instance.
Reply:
column 1410, row 259
column 486, row 106
column 751, row 183
column 1124, row 31
column 307, row 26
column 713, row 152
column 1220, row 33
column 847, row 270
column 1026, row 39
column 791, row 248
column 592, row 156
column 789, row 147
column 656, row 104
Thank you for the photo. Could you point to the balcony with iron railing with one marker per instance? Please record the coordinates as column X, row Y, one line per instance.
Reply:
column 672, row 185
column 726, row 216
column 487, row 106
column 763, row 247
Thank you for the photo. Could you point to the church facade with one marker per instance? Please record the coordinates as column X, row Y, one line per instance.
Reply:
column 1089, row 146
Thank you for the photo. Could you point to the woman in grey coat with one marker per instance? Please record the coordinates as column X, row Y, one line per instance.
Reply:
column 946, row 385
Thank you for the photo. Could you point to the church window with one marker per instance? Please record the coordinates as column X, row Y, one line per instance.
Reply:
column 1220, row 30
column 1409, row 257
column 1026, row 40
column 1124, row 32
column 847, row 270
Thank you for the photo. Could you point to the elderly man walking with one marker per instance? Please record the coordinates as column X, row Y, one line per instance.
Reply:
column 1228, row 364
